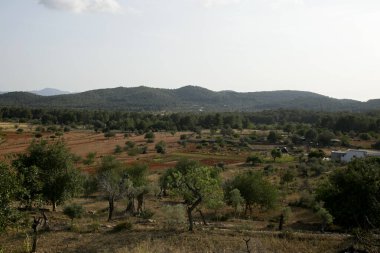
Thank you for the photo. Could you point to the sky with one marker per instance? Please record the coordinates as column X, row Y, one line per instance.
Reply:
column 331, row 47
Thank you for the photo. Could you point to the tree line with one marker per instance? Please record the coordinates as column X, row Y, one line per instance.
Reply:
column 103, row 120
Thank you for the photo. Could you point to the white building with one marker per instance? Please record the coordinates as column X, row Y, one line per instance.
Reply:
column 349, row 155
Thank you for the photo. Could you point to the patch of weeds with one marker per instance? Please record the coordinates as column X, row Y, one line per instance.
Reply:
column 94, row 227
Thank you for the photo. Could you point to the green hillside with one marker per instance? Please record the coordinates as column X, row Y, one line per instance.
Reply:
column 188, row 98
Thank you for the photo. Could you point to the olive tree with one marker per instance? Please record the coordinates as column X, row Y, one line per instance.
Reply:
column 255, row 190
column 138, row 176
column 47, row 170
column 112, row 181
column 197, row 185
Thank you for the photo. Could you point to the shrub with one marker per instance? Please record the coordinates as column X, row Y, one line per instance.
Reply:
column 73, row 211
column 90, row 158
column 364, row 136
column 149, row 135
column 253, row 160
column 161, row 147
column 118, row 149
column 109, row 134
column 129, row 144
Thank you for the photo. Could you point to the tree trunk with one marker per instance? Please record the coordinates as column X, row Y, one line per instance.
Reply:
column 36, row 223
column 140, row 202
column 281, row 223
column 54, row 205
column 131, row 206
column 202, row 216
column 190, row 217
column 111, row 207
column 46, row 220
column 190, row 212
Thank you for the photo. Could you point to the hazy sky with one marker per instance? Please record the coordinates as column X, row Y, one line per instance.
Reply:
column 327, row 46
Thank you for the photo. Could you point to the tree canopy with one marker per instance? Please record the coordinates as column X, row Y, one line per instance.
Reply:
column 255, row 190
column 196, row 184
column 352, row 194
column 47, row 170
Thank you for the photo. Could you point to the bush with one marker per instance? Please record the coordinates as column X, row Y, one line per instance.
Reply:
column 118, row 149
column 73, row 211
column 133, row 152
column 149, row 135
column 90, row 158
column 109, row 134
column 253, row 160
column 364, row 136
column 129, row 144
column 161, row 147
column 94, row 227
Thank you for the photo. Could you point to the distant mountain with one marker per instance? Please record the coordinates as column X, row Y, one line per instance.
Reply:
column 49, row 92
column 188, row 98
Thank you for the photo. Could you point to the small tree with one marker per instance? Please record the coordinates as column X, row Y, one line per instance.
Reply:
column 326, row 218
column 287, row 177
column 276, row 153
column 255, row 190
column 236, row 200
column 196, row 185
column 138, row 175
column 112, row 181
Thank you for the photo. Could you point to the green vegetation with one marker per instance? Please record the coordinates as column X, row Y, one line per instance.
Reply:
column 47, row 171
column 255, row 190
column 351, row 194
column 196, row 184
column 8, row 191
column 151, row 99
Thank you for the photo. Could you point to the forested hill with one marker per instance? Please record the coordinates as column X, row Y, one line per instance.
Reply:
column 188, row 98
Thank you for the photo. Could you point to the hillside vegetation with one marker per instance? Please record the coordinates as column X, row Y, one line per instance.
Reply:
column 188, row 98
